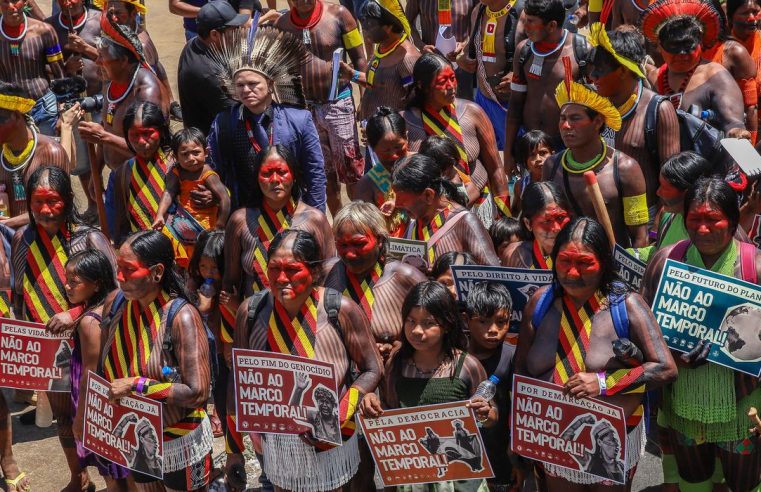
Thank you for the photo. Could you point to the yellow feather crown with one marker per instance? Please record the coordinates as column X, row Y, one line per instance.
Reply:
column 16, row 103
column 598, row 36
column 592, row 100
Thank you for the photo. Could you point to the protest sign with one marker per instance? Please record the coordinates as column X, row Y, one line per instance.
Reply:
column 521, row 282
column 128, row 432
column 399, row 248
column 32, row 358
column 582, row 434
column 692, row 304
column 427, row 444
column 630, row 268
column 285, row 394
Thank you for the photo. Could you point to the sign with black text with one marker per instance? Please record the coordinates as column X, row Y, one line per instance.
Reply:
column 399, row 248
column 630, row 268
column 32, row 358
column 128, row 432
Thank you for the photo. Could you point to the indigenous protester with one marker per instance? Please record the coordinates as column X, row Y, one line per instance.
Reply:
column 445, row 151
column 686, row 78
column 504, row 232
column 531, row 152
column 29, row 55
column 295, row 462
column 545, row 213
column 442, row 273
column 273, row 205
column 40, row 251
column 264, row 79
column 488, row 309
column 134, row 363
column 387, row 137
column 389, row 71
column 495, row 30
column 129, row 81
column 584, row 115
column 24, row 151
column 366, row 275
column 431, row 201
column 581, row 296
column 90, row 279
column 201, row 93
column 621, row 13
column 125, row 12
column 537, row 70
column 434, row 109
column 710, row 422
column 448, row 19
column 188, row 173
column 333, row 114
column 432, row 366
column 743, row 18
column 618, row 75
column 207, row 267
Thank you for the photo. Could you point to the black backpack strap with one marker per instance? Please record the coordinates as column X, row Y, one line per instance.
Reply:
column 254, row 306
column 617, row 175
column 174, row 308
column 511, row 31
column 505, row 361
column 333, row 307
column 116, row 304
column 523, row 55
column 476, row 29
column 651, row 127
column 581, row 51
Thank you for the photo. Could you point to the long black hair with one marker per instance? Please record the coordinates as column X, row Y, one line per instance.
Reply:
column 59, row 181
column 254, row 198
column 685, row 168
column 154, row 248
column 94, row 266
column 436, row 299
column 717, row 192
column 305, row 248
column 536, row 198
column 592, row 235
column 423, row 73
column 212, row 245
column 385, row 120
column 150, row 115
column 417, row 172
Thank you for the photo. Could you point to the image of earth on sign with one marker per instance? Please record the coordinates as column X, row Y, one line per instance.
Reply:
column 743, row 326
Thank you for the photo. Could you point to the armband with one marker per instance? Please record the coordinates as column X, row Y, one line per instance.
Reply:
column 53, row 54
column 749, row 90
column 518, row 87
column 595, row 6
column 407, row 81
column 624, row 381
column 352, row 39
column 140, row 386
column 601, row 382
column 355, row 76
column 635, row 210
column 502, row 203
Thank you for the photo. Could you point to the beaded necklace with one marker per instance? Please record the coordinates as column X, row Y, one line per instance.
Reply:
column 15, row 41
column 570, row 165
column 537, row 64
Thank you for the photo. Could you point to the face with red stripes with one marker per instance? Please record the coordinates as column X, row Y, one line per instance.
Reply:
column 48, row 207
column 136, row 279
column 708, row 227
column 275, row 178
column 579, row 270
column 359, row 249
column 290, row 278
column 144, row 139
column 443, row 88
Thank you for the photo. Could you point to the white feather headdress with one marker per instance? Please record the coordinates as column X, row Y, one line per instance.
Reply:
column 266, row 50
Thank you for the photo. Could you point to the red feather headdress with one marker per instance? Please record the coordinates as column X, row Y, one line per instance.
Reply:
column 121, row 35
column 656, row 15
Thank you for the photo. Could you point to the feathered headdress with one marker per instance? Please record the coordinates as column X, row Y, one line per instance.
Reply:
column 598, row 37
column 570, row 92
column 271, row 52
column 656, row 15
column 121, row 35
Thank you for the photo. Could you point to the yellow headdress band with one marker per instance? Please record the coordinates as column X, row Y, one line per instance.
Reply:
column 592, row 100
column 395, row 9
column 598, row 36
column 16, row 103
column 136, row 3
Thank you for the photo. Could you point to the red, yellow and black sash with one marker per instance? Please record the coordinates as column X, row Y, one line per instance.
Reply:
column 424, row 232
column 444, row 122
column 45, row 276
column 227, row 320
column 361, row 290
column 270, row 223
column 146, row 186
column 133, row 341
column 539, row 262
column 575, row 327
column 294, row 336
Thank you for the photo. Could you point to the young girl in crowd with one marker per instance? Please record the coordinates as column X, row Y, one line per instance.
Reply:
column 505, row 232
column 189, row 147
column 89, row 279
column 205, row 272
column 444, row 151
column 442, row 273
column 432, row 366
column 532, row 150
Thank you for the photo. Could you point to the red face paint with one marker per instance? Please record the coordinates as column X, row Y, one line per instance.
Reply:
column 292, row 278
column 405, row 199
column 705, row 219
column 390, row 152
column 139, row 135
column 128, row 270
column 275, row 171
column 47, row 203
column 551, row 220
column 682, row 63
column 352, row 247
column 670, row 194
column 446, row 80
column 573, row 263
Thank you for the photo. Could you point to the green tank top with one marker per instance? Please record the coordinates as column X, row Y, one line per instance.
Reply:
column 413, row 392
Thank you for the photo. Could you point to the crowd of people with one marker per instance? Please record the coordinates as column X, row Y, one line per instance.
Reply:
column 223, row 222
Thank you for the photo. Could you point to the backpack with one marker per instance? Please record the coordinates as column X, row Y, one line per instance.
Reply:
column 166, row 345
column 332, row 304
column 582, row 52
column 694, row 134
column 747, row 258
column 511, row 26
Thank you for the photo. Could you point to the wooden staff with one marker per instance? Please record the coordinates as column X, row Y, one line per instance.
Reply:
column 599, row 204
column 753, row 415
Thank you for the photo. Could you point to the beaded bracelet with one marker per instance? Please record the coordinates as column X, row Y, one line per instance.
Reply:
column 602, row 383
column 140, row 385
column 355, row 76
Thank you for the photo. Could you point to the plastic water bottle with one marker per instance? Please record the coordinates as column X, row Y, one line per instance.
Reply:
column 707, row 115
column 170, row 374
column 208, row 289
column 488, row 388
